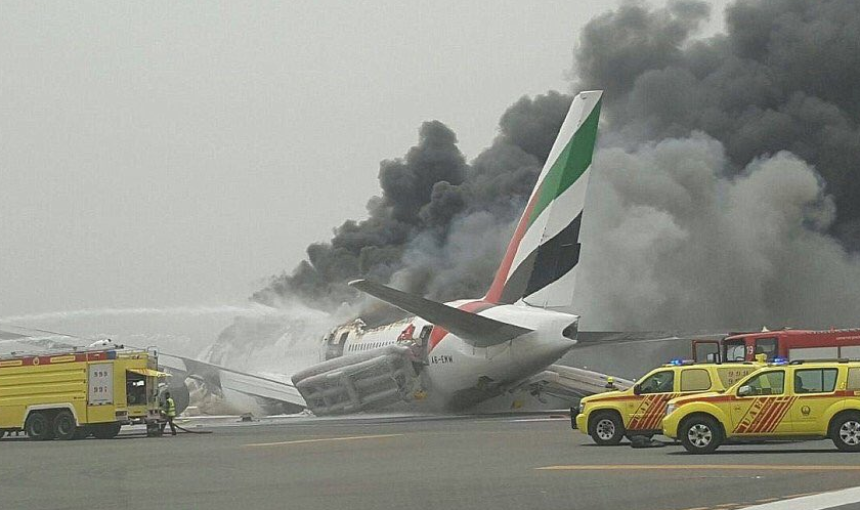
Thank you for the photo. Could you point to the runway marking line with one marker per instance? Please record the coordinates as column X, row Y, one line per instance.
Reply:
column 756, row 502
column 672, row 467
column 322, row 440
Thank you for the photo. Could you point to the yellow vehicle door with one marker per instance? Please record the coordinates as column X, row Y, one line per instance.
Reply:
column 814, row 391
column 760, row 405
column 653, row 394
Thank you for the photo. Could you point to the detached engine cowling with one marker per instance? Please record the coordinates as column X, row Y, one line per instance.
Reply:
column 375, row 378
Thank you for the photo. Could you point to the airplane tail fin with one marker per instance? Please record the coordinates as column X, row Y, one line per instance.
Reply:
column 539, row 267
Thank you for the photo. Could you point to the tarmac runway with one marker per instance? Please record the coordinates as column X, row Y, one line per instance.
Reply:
column 400, row 463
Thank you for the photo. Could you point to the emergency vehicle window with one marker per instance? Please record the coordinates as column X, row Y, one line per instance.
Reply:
column 661, row 382
column 854, row 379
column 696, row 379
column 766, row 346
column 815, row 380
column 768, row 383
column 735, row 351
column 706, row 352
column 135, row 388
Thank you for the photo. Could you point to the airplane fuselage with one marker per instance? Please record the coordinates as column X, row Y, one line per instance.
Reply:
column 455, row 372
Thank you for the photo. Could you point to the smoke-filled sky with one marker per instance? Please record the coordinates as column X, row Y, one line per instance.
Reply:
column 160, row 153
column 725, row 193
column 176, row 156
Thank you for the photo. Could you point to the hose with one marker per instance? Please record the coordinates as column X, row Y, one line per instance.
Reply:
column 183, row 429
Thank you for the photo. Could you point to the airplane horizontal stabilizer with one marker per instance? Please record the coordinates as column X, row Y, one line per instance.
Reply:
column 474, row 329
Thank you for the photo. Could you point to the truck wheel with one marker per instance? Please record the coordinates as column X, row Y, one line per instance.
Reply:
column 845, row 432
column 38, row 427
column 606, row 428
column 81, row 433
column 106, row 430
column 700, row 434
column 64, row 426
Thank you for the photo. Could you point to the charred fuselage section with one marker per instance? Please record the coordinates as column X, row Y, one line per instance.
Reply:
column 366, row 380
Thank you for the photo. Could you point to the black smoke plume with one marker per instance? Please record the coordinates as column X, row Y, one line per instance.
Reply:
column 440, row 223
column 725, row 191
column 783, row 77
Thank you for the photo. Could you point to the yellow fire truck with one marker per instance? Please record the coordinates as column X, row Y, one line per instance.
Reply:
column 76, row 393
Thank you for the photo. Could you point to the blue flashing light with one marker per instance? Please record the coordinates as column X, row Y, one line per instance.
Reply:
column 111, row 355
column 780, row 361
column 676, row 362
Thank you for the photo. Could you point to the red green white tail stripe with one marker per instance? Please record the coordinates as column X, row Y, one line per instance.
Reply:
column 539, row 267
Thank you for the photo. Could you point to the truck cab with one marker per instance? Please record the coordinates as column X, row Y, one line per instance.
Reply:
column 790, row 344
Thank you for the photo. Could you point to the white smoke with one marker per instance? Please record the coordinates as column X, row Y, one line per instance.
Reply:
column 181, row 330
column 249, row 310
column 671, row 242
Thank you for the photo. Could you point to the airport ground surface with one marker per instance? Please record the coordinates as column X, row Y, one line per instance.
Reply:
column 402, row 463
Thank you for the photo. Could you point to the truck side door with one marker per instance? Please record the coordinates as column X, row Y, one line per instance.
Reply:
column 655, row 391
column 814, row 392
column 762, row 412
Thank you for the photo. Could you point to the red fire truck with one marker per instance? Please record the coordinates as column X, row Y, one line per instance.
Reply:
column 789, row 344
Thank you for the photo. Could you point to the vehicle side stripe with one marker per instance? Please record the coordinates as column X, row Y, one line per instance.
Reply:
column 789, row 401
column 636, row 423
column 765, row 420
column 652, row 408
column 764, row 415
column 780, row 414
column 646, row 416
column 775, row 418
column 767, row 406
column 750, row 416
column 652, row 411
column 658, row 411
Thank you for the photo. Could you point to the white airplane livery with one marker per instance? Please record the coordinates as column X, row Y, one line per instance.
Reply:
column 462, row 352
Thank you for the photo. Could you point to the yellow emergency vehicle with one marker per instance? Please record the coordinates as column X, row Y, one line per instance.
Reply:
column 782, row 401
column 608, row 417
column 75, row 393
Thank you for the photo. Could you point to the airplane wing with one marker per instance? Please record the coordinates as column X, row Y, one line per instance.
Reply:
column 570, row 382
column 474, row 329
column 597, row 338
column 229, row 379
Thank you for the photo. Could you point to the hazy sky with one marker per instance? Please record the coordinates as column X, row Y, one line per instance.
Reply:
column 165, row 153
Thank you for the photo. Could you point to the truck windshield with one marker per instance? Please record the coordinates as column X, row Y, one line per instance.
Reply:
column 735, row 350
column 766, row 346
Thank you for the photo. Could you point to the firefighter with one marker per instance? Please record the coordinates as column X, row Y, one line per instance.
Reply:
column 610, row 383
column 169, row 412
